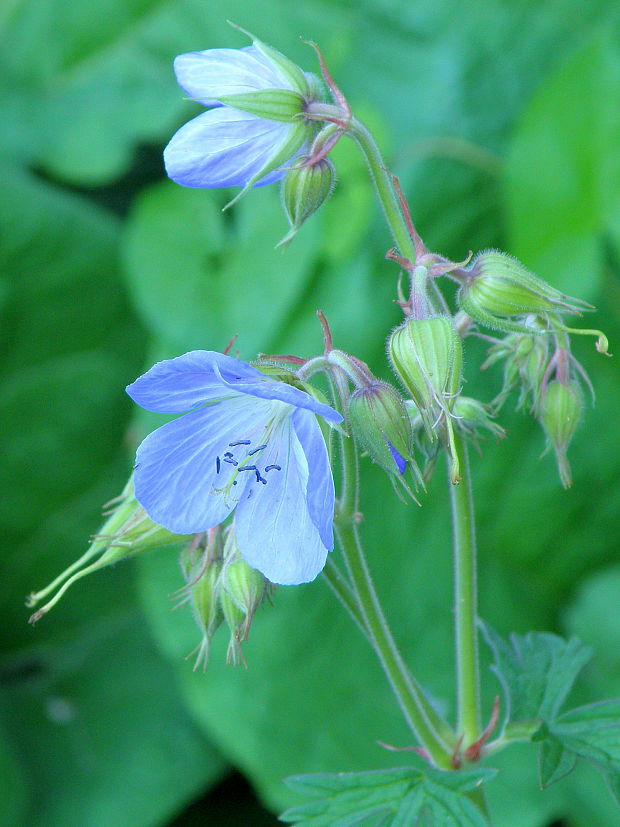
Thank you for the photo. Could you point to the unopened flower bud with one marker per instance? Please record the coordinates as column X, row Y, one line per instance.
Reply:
column 427, row 449
column 203, row 592
column 526, row 359
column 379, row 420
column 243, row 591
column 427, row 355
column 475, row 416
column 499, row 288
column 305, row 188
column 562, row 405
column 127, row 531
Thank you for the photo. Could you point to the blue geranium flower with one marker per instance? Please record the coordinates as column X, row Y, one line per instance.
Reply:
column 246, row 442
column 256, row 126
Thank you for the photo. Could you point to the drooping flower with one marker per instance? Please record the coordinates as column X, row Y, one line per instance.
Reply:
column 246, row 442
column 256, row 126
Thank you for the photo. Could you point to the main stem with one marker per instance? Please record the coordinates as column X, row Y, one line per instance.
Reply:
column 429, row 728
column 461, row 495
column 465, row 599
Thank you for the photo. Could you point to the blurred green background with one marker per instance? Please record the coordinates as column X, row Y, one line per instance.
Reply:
column 503, row 121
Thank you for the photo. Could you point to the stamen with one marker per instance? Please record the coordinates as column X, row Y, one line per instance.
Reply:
column 240, row 442
column 217, row 465
column 229, row 454
column 259, row 478
column 269, row 467
column 231, row 461
column 247, row 468
column 256, row 450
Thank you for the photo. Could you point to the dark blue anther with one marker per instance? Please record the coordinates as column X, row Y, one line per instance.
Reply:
column 234, row 482
column 269, row 467
column 217, row 465
column 228, row 454
column 248, row 468
column 241, row 442
column 256, row 450
column 231, row 461
column 258, row 477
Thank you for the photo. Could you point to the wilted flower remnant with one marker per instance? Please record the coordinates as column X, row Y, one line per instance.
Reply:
column 127, row 531
column 247, row 443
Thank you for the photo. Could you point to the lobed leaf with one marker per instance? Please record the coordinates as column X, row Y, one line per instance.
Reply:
column 537, row 671
column 401, row 797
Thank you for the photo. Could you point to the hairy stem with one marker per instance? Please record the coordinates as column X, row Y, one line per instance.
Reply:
column 385, row 189
column 432, row 732
column 465, row 598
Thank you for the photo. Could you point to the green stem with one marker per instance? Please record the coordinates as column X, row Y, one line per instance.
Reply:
column 465, row 598
column 423, row 290
column 432, row 732
column 385, row 189
column 339, row 585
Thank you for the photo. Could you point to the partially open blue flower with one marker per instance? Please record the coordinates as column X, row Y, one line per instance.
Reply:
column 256, row 126
column 246, row 442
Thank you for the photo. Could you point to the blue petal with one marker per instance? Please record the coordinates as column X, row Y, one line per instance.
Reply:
column 212, row 74
column 401, row 462
column 275, row 531
column 266, row 388
column 223, row 148
column 178, row 385
column 176, row 475
column 320, row 486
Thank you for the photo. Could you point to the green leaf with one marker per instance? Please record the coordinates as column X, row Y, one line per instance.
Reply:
column 563, row 170
column 537, row 671
column 82, row 100
column 554, row 762
column 592, row 732
column 198, row 281
column 80, row 435
column 97, row 725
column 13, row 787
column 400, row 797
column 59, row 253
column 613, row 784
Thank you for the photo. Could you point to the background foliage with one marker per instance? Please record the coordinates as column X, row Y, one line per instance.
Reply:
column 502, row 121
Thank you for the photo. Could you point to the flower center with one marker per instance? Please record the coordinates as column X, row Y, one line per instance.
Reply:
column 244, row 458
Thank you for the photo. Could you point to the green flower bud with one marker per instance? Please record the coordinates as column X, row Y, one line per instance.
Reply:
column 427, row 355
column 526, row 359
column 475, row 416
column 499, row 288
column 127, row 531
column 424, row 447
column 244, row 589
column 379, row 420
column 203, row 592
column 560, row 415
column 305, row 188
